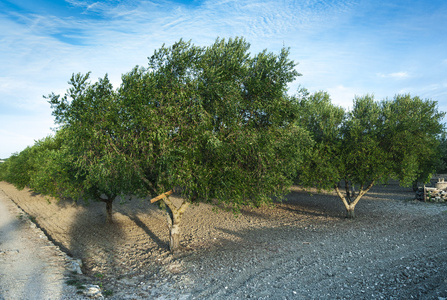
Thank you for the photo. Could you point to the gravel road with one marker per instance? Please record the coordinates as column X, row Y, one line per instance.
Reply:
column 31, row 267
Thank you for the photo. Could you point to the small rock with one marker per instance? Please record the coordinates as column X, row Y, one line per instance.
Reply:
column 93, row 291
column 75, row 266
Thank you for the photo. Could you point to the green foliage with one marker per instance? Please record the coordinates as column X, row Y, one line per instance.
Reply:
column 213, row 122
column 89, row 118
column 3, row 170
column 54, row 172
column 363, row 159
column 17, row 169
column 374, row 142
column 411, row 130
column 323, row 120
column 442, row 163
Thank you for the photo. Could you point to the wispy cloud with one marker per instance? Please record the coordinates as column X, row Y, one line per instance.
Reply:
column 396, row 75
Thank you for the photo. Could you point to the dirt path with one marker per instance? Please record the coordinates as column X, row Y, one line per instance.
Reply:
column 30, row 266
column 302, row 248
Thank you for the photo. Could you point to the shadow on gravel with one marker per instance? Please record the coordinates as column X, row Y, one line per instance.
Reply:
column 134, row 217
column 63, row 203
column 314, row 205
column 95, row 241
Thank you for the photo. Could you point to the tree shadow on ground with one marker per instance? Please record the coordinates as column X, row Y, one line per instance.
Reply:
column 306, row 203
column 245, row 258
column 161, row 244
column 95, row 241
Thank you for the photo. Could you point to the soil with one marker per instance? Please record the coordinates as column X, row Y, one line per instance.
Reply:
column 301, row 248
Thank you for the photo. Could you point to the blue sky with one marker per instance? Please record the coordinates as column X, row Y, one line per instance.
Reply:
column 346, row 48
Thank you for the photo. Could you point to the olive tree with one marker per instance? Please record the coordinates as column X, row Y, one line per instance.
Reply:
column 212, row 123
column 413, row 132
column 372, row 143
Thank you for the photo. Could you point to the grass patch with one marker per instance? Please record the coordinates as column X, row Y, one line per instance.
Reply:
column 76, row 283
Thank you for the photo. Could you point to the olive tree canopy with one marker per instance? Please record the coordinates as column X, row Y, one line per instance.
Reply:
column 372, row 143
column 214, row 122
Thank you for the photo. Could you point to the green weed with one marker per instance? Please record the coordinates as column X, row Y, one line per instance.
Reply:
column 76, row 283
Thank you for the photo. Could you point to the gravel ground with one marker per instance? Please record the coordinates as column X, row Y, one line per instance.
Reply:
column 31, row 267
column 302, row 248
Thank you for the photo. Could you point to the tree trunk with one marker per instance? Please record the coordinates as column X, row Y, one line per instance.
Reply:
column 350, row 213
column 109, row 208
column 174, row 216
column 109, row 205
column 175, row 236
column 415, row 186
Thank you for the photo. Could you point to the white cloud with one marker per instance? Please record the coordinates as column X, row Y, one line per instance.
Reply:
column 399, row 75
column 343, row 96
column 396, row 75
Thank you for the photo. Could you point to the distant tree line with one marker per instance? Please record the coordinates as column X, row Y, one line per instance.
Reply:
column 216, row 124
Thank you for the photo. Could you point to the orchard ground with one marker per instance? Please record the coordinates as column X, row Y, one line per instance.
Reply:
column 301, row 248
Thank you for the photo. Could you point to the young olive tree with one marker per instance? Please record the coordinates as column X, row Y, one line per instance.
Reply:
column 372, row 143
column 213, row 123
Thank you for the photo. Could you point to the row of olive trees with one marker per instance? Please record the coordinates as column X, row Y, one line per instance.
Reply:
column 216, row 124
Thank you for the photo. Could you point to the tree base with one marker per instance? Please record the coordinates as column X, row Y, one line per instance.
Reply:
column 174, row 244
column 350, row 214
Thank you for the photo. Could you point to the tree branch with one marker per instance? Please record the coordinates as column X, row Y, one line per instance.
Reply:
column 363, row 192
column 345, row 202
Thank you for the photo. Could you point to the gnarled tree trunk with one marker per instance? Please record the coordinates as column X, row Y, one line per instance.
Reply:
column 174, row 216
